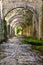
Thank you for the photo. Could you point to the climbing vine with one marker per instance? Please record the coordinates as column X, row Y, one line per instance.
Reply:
column 27, row 20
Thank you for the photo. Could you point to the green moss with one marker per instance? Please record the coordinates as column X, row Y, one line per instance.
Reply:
column 27, row 20
column 2, row 51
column 36, row 43
column 33, row 41
column 40, row 48
column 2, row 32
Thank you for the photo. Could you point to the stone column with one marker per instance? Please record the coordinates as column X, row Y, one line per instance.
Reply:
column 8, row 30
column 1, row 10
column 40, row 22
column 33, row 25
column 2, row 17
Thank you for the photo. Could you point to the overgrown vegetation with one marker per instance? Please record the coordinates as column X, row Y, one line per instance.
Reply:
column 40, row 48
column 19, row 30
column 36, row 43
column 27, row 20
column 33, row 41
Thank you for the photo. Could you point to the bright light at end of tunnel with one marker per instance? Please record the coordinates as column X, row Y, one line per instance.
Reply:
column 20, row 33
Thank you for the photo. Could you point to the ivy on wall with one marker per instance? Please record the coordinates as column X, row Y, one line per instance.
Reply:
column 28, row 20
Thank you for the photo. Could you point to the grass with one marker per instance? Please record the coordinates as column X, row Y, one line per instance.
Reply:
column 1, row 32
column 36, row 43
column 33, row 41
column 40, row 48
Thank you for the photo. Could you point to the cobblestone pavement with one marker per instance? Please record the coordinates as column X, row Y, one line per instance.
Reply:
column 14, row 52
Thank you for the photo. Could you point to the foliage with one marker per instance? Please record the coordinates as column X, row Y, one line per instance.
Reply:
column 1, row 32
column 40, row 48
column 36, row 43
column 27, row 20
column 33, row 41
column 19, row 30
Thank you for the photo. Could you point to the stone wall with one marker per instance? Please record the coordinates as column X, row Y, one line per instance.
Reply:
column 42, row 24
column 10, row 4
column 36, row 4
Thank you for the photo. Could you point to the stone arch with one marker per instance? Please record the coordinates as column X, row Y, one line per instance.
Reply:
column 17, row 24
column 21, row 23
column 33, row 11
column 29, row 7
column 15, row 5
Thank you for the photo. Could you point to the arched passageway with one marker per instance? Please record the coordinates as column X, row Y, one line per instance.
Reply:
column 26, row 18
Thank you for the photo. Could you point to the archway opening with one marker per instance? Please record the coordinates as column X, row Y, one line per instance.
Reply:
column 19, row 31
column 26, row 17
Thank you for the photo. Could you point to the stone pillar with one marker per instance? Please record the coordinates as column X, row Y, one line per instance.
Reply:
column 12, row 31
column 33, row 25
column 2, row 17
column 2, row 10
column 40, row 20
column 8, row 30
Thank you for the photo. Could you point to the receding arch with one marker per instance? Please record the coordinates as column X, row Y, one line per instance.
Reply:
column 21, row 23
column 27, row 8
